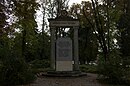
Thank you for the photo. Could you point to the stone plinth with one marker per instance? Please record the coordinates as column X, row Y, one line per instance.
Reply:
column 64, row 66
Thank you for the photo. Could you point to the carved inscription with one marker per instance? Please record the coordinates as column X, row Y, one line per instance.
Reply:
column 64, row 49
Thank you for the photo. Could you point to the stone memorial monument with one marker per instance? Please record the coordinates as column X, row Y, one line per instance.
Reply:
column 64, row 50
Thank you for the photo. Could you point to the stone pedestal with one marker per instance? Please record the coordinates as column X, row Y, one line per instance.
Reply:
column 64, row 66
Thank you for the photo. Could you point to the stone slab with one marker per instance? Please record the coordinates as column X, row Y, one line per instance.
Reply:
column 64, row 49
column 64, row 66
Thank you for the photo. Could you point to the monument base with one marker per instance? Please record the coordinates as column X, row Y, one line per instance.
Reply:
column 64, row 74
column 64, row 66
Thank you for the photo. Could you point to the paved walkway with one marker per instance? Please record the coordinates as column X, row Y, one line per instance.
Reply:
column 89, row 80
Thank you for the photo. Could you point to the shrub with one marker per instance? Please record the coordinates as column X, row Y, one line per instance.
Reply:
column 15, row 71
column 40, row 64
column 88, row 68
column 112, row 69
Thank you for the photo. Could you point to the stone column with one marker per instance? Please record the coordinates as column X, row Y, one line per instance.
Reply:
column 76, row 54
column 53, row 60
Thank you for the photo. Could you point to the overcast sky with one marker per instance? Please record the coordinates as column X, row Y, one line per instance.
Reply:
column 76, row 1
column 39, row 13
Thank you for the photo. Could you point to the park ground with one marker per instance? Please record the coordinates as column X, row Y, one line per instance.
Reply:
column 89, row 80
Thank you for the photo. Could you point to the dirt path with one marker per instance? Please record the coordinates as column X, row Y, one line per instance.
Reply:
column 89, row 80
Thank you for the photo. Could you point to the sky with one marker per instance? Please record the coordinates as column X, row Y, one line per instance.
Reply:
column 76, row 1
column 39, row 13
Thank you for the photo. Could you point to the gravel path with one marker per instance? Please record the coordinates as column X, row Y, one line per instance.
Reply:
column 89, row 80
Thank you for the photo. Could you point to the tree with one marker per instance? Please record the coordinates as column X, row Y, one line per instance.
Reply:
column 100, row 20
column 26, row 24
column 106, row 16
column 88, row 45
column 15, row 13
column 2, row 18
column 124, row 26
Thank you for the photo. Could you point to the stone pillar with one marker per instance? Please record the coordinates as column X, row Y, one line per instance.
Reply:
column 53, row 60
column 76, row 54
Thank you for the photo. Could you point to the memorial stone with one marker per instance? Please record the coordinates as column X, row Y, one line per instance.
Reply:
column 64, row 54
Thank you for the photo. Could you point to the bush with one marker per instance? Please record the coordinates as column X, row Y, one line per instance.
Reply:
column 112, row 69
column 14, row 71
column 88, row 68
column 40, row 64
column 13, row 68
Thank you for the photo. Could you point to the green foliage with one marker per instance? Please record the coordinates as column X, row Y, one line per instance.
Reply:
column 22, row 45
column 3, row 18
column 40, row 63
column 127, row 76
column 14, row 70
column 38, row 66
column 43, row 48
column 88, row 44
column 40, row 70
column 112, row 70
column 88, row 68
